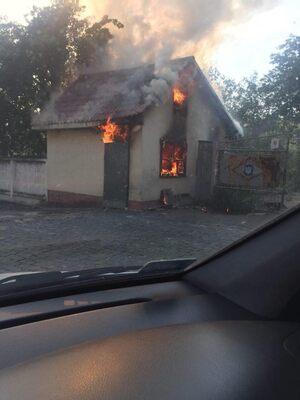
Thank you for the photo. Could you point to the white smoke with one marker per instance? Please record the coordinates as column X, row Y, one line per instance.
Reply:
column 174, row 27
column 158, row 91
column 157, row 30
column 238, row 126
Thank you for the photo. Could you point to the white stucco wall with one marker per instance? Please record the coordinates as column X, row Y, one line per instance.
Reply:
column 75, row 161
column 26, row 176
column 201, row 120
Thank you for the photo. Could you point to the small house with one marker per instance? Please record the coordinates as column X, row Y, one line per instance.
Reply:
column 123, row 138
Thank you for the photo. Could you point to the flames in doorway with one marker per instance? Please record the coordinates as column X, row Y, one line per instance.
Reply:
column 112, row 132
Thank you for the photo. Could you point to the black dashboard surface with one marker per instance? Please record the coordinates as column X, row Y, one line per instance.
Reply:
column 227, row 360
column 165, row 304
column 175, row 342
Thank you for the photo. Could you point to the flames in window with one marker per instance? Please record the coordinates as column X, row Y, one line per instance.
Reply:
column 179, row 96
column 112, row 133
column 173, row 159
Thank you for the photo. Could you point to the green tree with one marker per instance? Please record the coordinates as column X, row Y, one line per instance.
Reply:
column 270, row 106
column 35, row 60
column 270, row 103
column 244, row 100
column 281, row 86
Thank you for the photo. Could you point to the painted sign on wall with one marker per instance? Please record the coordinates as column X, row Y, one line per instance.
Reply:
column 257, row 170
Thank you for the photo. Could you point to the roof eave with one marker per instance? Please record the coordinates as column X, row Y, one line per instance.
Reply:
column 219, row 106
column 64, row 125
column 52, row 125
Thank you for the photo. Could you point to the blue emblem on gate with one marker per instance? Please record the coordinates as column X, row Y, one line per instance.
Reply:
column 248, row 168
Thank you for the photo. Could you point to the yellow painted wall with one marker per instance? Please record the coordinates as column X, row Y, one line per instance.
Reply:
column 200, row 121
column 75, row 161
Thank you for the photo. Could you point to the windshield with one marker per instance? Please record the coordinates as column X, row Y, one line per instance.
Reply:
column 133, row 131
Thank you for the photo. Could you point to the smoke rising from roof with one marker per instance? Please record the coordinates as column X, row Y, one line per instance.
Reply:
column 173, row 27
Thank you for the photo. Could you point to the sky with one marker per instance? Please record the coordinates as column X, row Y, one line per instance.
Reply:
column 245, row 48
column 248, row 48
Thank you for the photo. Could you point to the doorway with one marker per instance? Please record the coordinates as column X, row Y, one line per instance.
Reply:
column 116, row 175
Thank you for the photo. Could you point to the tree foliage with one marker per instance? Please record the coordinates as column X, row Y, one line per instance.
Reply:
column 270, row 103
column 37, row 58
column 282, row 84
column 270, row 106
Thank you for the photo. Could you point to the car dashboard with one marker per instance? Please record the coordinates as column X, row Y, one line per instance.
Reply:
column 158, row 341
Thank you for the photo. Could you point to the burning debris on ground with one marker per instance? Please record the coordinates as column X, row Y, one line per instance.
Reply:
column 170, row 200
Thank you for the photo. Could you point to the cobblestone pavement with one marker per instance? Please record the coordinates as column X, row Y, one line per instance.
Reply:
column 43, row 239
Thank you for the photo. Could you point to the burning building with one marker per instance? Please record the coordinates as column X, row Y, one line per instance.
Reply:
column 122, row 137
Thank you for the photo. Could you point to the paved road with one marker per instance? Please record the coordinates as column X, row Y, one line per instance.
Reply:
column 43, row 239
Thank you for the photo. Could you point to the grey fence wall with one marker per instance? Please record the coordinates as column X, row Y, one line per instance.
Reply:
column 23, row 176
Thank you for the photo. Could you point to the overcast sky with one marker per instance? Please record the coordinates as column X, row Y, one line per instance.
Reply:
column 245, row 48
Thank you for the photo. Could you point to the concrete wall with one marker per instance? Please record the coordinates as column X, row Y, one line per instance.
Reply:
column 30, row 177
column 23, row 176
column 201, row 124
column 5, row 175
column 75, row 162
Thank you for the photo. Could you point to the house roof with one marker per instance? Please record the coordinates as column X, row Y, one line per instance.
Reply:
column 92, row 97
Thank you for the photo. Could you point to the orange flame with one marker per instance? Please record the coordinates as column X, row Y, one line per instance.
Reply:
column 178, row 96
column 173, row 171
column 170, row 172
column 173, row 160
column 111, row 132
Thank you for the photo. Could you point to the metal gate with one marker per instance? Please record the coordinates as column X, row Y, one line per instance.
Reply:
column 116, row 175
column 257, row 166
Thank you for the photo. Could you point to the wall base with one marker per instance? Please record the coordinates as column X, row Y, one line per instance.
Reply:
column 19, row 198
column 68, row 198
column 143, row 205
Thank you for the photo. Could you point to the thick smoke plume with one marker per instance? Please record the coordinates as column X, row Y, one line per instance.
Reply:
column 174, row 27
